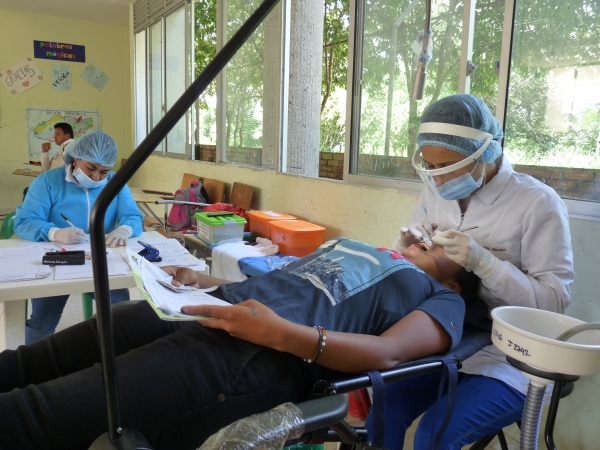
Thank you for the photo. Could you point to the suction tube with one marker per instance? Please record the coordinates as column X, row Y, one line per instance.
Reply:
column 532, row 415
column 578, row 329
column 532, row 412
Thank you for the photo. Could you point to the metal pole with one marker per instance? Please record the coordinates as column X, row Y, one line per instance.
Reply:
column 134, row 162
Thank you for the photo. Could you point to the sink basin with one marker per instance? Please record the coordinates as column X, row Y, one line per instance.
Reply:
column 529, row 335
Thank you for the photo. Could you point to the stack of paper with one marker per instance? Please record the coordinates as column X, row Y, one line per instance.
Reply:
column 171, row 252
column 165, row 299
column 22, row 264
column 116, row 266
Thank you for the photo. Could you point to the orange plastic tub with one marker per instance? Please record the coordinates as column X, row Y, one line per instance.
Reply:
column 259, row 222
column 296, row 237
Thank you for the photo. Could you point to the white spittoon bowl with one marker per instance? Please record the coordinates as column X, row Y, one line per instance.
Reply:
column 529, row 335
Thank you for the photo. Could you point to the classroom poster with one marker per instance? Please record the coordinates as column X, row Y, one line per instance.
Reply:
column 21, row 77
column 61, row 77
column 95, row 77
column 41, row 121
column 59, row 51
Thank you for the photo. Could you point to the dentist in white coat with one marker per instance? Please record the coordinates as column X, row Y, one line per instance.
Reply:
column 521, row 251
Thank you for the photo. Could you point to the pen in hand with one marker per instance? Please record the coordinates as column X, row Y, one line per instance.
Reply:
column 68, row 221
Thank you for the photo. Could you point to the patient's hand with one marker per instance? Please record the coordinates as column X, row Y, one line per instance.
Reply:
column 249, row 320
column 182, row 276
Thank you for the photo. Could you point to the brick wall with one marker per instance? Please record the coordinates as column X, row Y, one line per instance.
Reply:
column 206, row 153
column 567, row 182
column 331, row 165
column 570, row 183
column 237, row 155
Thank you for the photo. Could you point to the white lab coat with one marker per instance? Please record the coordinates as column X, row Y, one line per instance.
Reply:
column 525, row 224
column 57, row 160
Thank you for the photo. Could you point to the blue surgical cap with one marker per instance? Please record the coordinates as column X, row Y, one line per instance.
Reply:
column 468, row 111
column 95, row 146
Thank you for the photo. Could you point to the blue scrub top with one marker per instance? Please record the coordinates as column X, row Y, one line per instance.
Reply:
column 51, row 195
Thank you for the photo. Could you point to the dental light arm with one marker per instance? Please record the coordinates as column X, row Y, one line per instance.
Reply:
column 426, row 38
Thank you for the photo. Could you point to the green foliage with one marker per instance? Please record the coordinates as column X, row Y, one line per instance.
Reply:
column 332, row 131
column 549, row 35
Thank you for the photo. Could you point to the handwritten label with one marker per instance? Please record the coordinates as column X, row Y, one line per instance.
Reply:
column 517, row 348
column 61, row 77
column 497, row 334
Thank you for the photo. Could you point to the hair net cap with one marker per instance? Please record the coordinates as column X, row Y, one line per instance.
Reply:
column 468, row 111
column 96, row 146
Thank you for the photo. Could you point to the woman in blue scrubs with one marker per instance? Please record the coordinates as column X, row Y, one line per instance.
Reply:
column 57, row 208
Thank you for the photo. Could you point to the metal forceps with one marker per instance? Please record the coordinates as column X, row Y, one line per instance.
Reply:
column 424, row 245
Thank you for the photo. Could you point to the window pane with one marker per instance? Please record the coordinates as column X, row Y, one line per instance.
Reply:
column 487, row 44
column 155, row 77
column 333, row 91
column 205, row 36
column 140, row 87
column 553, row 120
column 389, row 117
column 175, row 74
column 244, row 87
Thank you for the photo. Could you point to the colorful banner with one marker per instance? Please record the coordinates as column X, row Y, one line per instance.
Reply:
column 60, row 51
column 61, row 77
column 21, row 77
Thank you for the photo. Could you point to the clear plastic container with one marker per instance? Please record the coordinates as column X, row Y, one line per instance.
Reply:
column 219, row 229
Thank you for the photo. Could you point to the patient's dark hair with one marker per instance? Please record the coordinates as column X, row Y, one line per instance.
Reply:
column 66, row 128
column 469, row 285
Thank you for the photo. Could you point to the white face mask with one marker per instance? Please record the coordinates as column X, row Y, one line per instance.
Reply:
column 86, row 181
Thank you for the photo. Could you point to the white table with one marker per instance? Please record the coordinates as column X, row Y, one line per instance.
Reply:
column 12, row 313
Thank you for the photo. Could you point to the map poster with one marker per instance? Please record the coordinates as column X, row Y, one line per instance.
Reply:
column 61, row 77
column 40, row 126
column 94, row 76
column 22, row 76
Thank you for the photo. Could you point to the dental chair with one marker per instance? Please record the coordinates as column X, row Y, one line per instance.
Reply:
column 322, row 418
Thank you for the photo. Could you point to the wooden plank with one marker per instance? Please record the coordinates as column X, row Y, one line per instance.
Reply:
column 187, row 179
column 31, row 173
column 215, row 190
column 241, row 195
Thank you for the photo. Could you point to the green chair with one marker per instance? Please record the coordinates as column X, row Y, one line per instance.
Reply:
column 8, row 226
column 6, row 232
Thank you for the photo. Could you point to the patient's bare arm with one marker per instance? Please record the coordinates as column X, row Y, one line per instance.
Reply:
column 187, row 277
column 415, row 336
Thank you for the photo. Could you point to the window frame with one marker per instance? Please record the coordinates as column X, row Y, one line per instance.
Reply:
column 583, row 209
column 188, row 11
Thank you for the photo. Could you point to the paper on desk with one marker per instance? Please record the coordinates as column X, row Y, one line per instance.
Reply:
column 85, row 245
column 22, row 264
column 166, row 302
column 116, row 266
column 171, row 252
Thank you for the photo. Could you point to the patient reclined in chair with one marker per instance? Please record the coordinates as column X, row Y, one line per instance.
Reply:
column 349, row 307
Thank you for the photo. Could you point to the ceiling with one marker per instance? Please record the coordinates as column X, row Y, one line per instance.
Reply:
column 107, row 11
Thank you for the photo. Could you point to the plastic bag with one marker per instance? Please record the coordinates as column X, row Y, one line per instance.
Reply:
column 269, row 430
column 274, row 262
column 230, row 208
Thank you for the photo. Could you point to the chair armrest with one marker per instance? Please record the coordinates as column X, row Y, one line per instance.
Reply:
column 471, row 343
